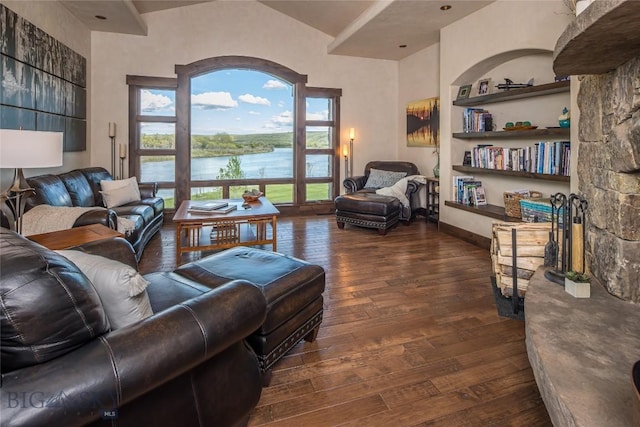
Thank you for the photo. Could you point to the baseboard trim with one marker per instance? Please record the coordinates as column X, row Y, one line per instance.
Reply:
column 467, row 236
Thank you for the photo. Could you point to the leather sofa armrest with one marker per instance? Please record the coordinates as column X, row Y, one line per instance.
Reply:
column 354, row 183
column 106, row 217
column 123, row 365
column 148, row 189
column 118, row 249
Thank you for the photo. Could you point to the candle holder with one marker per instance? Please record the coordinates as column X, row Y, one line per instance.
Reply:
column 113, row 156
column 112, row 136
column 123, row 155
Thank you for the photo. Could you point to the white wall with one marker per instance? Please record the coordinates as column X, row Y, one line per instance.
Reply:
column 419, row 76
column 55, row 20
column 475, row 47
column 188, row 34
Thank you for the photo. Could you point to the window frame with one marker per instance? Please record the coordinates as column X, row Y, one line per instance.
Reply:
column 182, row 119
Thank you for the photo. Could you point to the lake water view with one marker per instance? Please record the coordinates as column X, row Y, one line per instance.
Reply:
column 276, row 164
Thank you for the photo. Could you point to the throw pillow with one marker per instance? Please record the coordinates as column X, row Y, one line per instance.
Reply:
column 117, row 193
column 380, row 178
column 120, row 287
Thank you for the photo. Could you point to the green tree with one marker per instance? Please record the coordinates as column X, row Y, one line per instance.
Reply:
column 233, row 170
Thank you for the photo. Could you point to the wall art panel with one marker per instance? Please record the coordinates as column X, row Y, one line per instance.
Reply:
column 43, row 82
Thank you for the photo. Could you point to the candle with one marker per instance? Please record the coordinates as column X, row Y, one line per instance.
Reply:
column 352, row 133
column 112, row 130
column 123, row 151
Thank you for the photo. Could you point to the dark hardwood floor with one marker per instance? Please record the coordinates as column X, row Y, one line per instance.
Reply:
column 410, row 335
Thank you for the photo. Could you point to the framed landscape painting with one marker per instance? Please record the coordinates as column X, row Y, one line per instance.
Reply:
column 423, row 123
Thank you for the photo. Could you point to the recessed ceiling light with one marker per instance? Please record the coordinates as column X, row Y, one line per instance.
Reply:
column 101, row 17
column 402, row 46
column 445, row 7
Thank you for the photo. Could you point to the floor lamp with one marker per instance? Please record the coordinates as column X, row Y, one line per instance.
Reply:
column 21, row 149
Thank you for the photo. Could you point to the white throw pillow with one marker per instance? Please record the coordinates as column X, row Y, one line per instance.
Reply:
column 121, row 287
column 380, row 178
column 117, row 193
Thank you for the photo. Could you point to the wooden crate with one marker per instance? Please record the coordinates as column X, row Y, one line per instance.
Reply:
column 531, row 239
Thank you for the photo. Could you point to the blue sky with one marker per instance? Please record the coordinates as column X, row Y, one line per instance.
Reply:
column 233, row 101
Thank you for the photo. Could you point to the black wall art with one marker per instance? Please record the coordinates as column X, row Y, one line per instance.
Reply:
column 42, row 82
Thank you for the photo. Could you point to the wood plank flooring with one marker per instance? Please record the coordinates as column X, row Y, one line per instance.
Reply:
column 410, row 335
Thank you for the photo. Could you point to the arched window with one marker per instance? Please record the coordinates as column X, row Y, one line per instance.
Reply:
column 235, row 123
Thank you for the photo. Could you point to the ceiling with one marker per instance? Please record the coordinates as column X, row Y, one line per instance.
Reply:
column 364, row 28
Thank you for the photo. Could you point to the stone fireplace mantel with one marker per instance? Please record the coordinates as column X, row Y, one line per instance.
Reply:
column 601, row 38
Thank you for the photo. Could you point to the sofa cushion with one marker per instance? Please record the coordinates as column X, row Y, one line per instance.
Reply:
column 94, row 175
column 120, row 286
column 119, row 192
column 78, row 188
column 47, row 306
column 381, row 178
column 50, row 190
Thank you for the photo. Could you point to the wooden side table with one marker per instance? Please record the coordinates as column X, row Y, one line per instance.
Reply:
column 64, row 239
column 433, row 202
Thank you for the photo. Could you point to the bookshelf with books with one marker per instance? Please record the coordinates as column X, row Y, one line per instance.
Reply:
column 507, row 158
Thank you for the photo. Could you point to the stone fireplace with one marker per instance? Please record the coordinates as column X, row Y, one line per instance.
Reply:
column 609, row 176
column 582, row 350
column 604, row 47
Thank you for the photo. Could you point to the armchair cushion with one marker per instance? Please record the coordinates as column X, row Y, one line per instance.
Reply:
column 121, row 287
column 382, row 178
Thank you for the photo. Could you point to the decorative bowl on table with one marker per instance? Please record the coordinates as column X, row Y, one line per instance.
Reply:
column 252, row 195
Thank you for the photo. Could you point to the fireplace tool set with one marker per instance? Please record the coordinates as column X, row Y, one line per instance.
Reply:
column 565, row 249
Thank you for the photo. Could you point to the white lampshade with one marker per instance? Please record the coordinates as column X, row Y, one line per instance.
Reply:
column 30, row 149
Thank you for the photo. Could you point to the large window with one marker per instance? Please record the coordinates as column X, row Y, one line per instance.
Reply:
column 230, row 124
column 152, row 148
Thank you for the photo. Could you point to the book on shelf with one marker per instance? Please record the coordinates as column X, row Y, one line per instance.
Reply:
column 479, row 196
column 549, row 158
column 223, row 210
column 476, row 120
column 209, row 206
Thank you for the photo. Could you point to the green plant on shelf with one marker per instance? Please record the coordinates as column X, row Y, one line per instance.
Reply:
column 577, row 277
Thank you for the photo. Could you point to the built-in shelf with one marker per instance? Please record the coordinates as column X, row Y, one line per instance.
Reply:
column 511, row 94
column 603, row 37
column 519, row 174
column 552, row 133
column 491, row 211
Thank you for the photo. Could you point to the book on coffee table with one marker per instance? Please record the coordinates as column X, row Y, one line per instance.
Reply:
column 222, row 210
column 209, row 206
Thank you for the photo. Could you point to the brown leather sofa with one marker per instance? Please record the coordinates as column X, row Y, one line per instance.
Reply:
column 81, row 187
column 187, row 365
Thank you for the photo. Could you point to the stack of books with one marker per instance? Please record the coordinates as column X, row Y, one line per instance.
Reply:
column 477, row 120
column 468, row 191
column 213, row 208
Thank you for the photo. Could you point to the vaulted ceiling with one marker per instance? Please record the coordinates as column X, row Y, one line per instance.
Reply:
column 364, row 28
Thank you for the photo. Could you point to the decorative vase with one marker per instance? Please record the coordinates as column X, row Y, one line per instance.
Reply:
column 436, row 169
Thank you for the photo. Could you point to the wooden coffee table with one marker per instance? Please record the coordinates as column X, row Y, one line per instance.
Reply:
column 247, row 225
column 64, row 239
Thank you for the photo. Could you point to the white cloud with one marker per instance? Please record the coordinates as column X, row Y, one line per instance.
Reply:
column 154, row 102
column 213, row 101
column 257, row 100
column 274, row 84
column 283, row 119
column 322, row 115
column 254, row 113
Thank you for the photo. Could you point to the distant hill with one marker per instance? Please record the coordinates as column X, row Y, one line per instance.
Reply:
column 223, row 144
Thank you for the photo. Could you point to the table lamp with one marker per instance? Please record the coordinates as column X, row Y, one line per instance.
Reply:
column 21, row 149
